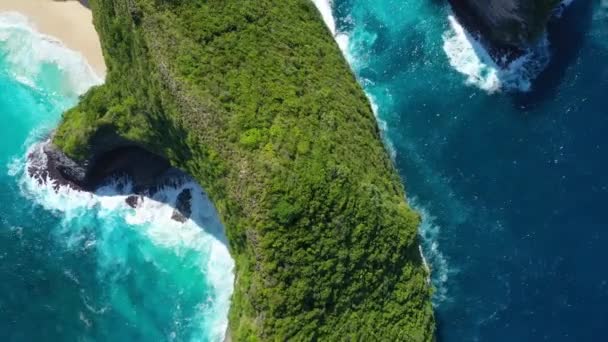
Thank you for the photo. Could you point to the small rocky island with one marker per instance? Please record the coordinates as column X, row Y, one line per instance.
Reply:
column 506, row 27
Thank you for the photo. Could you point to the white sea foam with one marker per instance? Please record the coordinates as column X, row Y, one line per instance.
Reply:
column 202, row 233
column 343, row 41
column 432, row 255
column 382, row 124
column 324, row 7
column 467, row 56
column 37, row 59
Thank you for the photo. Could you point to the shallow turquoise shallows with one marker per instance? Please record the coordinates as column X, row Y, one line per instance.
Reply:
column 81, row 267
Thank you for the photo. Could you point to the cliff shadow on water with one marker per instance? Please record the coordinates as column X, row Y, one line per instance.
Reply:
column 129, row 171
column 567, row 35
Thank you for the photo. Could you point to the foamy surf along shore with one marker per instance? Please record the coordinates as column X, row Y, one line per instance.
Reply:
column 468, row 55
column 195, row 245
column 68, row 21
column 146, row 273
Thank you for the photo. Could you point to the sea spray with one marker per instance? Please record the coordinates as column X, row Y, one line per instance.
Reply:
column 324, row 7
column 435, row 260
column 468, row 56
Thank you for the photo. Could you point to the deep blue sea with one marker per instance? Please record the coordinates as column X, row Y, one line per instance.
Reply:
column 509, row 169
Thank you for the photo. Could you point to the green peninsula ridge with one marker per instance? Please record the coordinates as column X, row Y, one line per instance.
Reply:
column 256, row 102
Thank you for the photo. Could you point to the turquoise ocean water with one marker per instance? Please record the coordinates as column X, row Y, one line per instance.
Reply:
column 508, row 168
column 80, row 267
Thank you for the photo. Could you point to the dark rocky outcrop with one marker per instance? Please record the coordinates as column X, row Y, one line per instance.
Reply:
column 146, row 171
column 133, row 201
column 143, row 168
column 48, row 163
column 506, row 27
column 183, row 207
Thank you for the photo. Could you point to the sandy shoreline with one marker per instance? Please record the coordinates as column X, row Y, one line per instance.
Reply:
column 68, row 21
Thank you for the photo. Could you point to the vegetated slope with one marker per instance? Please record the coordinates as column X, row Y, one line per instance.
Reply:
column 254, row 99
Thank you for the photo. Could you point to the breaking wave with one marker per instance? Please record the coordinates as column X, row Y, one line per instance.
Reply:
column 467, row 56
column 324, row 7
column 470, row 58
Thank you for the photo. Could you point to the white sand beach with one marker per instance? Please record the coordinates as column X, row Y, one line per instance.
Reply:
column 68, row 21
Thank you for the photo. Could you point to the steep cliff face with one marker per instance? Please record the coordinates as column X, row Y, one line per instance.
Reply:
column 254, row 99
column 506, row 23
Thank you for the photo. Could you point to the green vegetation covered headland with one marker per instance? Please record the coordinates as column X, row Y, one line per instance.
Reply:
column 254, row 99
